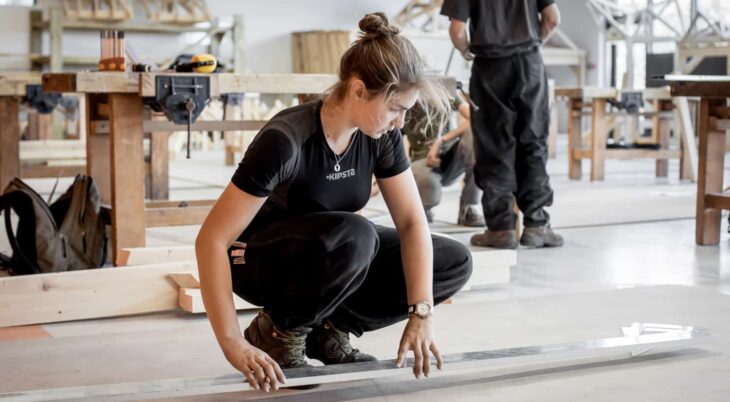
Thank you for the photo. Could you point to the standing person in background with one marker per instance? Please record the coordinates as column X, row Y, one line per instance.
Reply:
column 426, row 145
column 509, row 85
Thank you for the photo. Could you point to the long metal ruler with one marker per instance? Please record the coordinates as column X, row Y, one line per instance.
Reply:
column 639, row 338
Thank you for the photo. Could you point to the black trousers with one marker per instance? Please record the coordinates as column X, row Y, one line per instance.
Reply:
column 510, row 138
column 337, row 266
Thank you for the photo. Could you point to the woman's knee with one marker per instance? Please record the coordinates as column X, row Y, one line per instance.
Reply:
column 355, row 236
column 452, row 262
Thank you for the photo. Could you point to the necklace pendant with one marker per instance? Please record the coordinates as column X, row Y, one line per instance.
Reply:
column 337, row 167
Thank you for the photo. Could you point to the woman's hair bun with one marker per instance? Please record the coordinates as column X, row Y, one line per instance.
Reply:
column 376, row 25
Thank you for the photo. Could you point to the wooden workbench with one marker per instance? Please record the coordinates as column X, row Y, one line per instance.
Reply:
column 115, row 127
column 596, row 100
column 713, row 121
column 12, row 91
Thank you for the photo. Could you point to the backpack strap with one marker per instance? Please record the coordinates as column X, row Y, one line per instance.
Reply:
column 18, row 256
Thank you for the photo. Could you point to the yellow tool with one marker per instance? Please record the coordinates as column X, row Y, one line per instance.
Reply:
column 204, row 63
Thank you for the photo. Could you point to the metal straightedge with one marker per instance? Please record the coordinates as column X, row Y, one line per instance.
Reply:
column 638, row 339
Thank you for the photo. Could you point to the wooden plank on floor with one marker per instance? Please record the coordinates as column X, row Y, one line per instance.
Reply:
column 76, row 295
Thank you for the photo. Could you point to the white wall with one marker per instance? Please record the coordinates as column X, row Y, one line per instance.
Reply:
column 14, row 37
column 267, row 30
column 578, row 24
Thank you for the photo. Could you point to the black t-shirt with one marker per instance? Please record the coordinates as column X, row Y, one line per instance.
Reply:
column 290, row 162
column 499, row 28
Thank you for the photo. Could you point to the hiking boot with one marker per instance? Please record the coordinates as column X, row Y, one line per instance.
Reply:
column 540, row 236
column 332, row 346
column 505, row 239
column 284, row 346
column 469, row 216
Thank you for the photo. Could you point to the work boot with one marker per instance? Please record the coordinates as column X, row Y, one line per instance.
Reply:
column 284, row 346
column 540, row 236
column 332, row 346
column 469, row 216
column 505, row 239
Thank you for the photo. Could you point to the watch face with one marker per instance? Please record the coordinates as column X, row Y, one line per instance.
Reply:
column 422, row 309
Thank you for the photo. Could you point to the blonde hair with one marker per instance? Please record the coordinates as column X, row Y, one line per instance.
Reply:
column 388, row 63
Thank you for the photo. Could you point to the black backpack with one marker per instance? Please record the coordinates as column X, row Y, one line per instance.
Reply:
column 70, row 234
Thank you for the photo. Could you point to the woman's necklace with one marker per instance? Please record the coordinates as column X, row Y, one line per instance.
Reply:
column 339, row 158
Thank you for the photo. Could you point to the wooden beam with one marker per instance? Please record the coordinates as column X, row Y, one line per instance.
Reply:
column 91, row 82
column 191, row 300
column 191, row 215
column 9, row 141
column 127, row 171
column 717, row 200
column 705, row 89
column 98, row 160
column 52, row 149
column 155, row 255
column 683, row 123
column 203, row 125
column 575, row 138
column 55, row 32
column 599, row 135
column 41, row 170
column 95, row 293
column 711, row 151
column 630, row 154
column 159, row 175
column 586, row 92
column 178, row 203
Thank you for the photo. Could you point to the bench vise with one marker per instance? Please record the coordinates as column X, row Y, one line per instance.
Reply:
column 182, row 98
column 631, row 101
column 43, row 102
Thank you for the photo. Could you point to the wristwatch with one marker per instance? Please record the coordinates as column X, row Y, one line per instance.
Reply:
column 422, row 309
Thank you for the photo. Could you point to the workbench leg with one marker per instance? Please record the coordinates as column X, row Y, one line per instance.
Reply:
column 40, row 126
column 159, row 166
column 599, row 128
column 97, row 145
column 685, row 166
column 575, row 137
column 127, row 171
column 661, row 131
column 9, row 141
column 159, row 163
column 711, row 152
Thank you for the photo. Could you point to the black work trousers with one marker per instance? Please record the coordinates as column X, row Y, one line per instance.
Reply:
column 510, row 138
column 337, row 266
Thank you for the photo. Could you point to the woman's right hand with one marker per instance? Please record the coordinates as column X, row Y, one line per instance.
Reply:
column 432, row 158
column 261, row 371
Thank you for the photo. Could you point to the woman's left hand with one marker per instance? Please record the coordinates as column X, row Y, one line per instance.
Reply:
column 418, row 336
